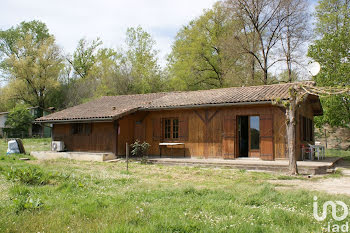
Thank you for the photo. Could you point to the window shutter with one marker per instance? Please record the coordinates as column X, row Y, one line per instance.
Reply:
column 229, row 138
column 157, row 129
column 183, row 128
column 266, row 137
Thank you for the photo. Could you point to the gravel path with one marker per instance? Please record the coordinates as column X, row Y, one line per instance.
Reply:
column 331, row 185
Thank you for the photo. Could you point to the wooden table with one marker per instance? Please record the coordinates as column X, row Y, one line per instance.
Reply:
column 171, row 144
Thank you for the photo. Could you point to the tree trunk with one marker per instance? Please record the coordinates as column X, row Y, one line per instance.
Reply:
column 291, row 134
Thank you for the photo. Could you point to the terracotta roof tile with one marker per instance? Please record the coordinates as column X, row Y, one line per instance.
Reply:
column 111, row 107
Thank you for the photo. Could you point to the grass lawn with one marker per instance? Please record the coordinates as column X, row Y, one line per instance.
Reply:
column 338, row 153
column 71, row 196
column 30, row 144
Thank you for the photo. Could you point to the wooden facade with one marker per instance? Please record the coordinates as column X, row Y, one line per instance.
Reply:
column 210, row 132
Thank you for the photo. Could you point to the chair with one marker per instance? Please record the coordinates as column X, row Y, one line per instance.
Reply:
column 306, row 150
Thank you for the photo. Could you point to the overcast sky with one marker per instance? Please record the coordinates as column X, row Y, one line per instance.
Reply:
column 71, row 20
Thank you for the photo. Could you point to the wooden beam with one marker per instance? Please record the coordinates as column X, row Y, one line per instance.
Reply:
column 199, row 115
column 206, row 120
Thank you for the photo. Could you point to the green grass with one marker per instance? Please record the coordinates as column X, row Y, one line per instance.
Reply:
column 338, row 153
column 30, row 144
column 103, row 197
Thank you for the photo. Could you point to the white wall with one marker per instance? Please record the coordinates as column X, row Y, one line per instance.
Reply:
column 3, row 118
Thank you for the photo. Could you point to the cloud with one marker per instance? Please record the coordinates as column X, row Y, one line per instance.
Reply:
column 70, row 20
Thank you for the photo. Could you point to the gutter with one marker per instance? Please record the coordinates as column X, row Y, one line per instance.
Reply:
column 108, row 119
column 206, row 105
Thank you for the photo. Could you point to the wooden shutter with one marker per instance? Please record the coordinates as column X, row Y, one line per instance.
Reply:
column 266, row 137
column 183, row 128
column 229, row 137
column 157, row 129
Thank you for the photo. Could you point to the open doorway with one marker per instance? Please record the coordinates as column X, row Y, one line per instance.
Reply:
column 243, row 136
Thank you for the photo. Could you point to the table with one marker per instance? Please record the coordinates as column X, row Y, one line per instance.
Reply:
column 319, row 149
column 171, row 144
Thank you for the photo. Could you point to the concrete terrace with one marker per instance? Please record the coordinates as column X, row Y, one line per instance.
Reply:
column 304, row 167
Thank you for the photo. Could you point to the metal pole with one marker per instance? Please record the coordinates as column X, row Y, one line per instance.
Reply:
column 325, row 135
column 127, row 156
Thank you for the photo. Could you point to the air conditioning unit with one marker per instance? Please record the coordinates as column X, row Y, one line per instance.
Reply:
column 57, row 146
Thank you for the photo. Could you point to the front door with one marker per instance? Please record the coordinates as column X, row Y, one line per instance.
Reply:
column 248, row 132
column 243, row 136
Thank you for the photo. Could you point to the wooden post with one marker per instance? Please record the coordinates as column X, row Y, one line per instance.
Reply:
column 115, row 136
column 127, row 156
column 325, row 136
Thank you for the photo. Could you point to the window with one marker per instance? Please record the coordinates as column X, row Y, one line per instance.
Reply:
column 254, row 122
column 306, row 129
column 81, row 129
column 171, row 128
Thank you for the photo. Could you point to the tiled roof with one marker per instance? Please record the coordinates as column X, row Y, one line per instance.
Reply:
column 113, row 107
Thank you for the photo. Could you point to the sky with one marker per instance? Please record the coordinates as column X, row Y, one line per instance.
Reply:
column 71, row 20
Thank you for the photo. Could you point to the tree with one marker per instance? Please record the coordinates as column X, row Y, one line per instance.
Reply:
column 84, row 57
column 19, row 120
column 294, row 34
column 143, row 62
column 204, row 56
column 113, row 73
column 31, row 62
column 297, row 94
column 262, row 22
column 331, row 50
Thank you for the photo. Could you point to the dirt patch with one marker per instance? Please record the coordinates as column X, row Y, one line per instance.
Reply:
column 332, row 185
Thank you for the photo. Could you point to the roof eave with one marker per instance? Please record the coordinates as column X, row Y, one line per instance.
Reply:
column 82, row 120
column 206, row 105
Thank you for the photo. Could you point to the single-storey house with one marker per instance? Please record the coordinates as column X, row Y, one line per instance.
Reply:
column 223, row 123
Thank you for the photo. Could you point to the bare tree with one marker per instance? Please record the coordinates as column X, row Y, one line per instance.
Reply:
column 262, row 22
column 295, row 33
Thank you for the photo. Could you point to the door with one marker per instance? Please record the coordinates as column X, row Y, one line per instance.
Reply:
column 243, row 136
column 266, row 137
column 228, row 140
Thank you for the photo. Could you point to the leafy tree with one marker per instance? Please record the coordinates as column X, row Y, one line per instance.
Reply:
column 113, row 72
column 332, row 52
column 31, row 62
column 19, row 120
column 85, row 57
column 143, row 62
column 204, row 56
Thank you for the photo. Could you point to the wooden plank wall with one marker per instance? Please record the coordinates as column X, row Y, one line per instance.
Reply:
column 306, row 111
column 100, row 139
column 206, row 136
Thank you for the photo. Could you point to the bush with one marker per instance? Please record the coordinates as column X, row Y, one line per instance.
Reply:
column 139, row 149
column 27, row 175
